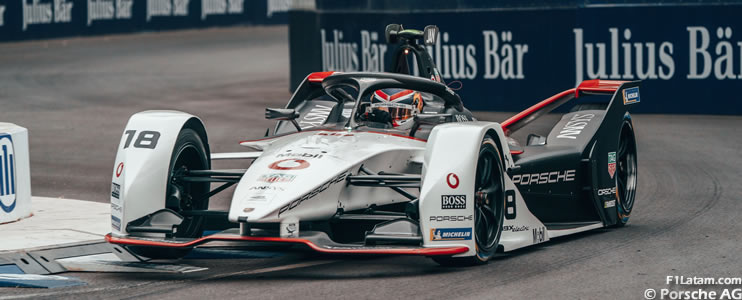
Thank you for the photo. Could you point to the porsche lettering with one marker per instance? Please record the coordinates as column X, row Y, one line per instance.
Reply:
column 544, row 178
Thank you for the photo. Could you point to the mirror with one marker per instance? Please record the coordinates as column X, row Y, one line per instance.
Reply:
column 283, row 114
column 430, row 35
column 391, row 33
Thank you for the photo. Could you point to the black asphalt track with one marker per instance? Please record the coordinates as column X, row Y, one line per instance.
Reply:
column 75, row 96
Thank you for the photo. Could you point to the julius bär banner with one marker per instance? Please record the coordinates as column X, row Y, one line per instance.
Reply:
column 688, row 57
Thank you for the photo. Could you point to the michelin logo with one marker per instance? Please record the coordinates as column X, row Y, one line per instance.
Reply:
column 450, row 234
column 631, row 96
column 7, row 174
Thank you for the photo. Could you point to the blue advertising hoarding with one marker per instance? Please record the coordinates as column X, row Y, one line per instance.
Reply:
column 39, row 19
column 688, row 57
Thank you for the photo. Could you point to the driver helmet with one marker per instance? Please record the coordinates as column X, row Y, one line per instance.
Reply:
column 401, row 104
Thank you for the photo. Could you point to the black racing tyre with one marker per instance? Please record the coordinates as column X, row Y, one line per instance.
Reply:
column 189, row 153
column 488, row 210
column 626, row 171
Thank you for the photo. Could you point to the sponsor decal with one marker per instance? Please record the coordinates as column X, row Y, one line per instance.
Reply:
column 574, row 126
column 311, row 194
column 290, row 230
column 461, row 118
column 611, row 203
column 450, row 234
column 271, row 178
column 631, row 96
column 260, row 197
column 115, row 208
column 451, row 218
column 115, row 190
column 453, row 201
column 544, row 178
column 289, row 164
column 109, row 10
column 266, row 188
column 340, row 134
column 539, row 235
column 7, row 174
column 116, row 223
column 607, row 191
column 315, row 117
column 248, row 209
column 612, row 163
column 119, row 169
column 452, row 180
column 263, row 193
column 510, row 211
column 515, row 228
column 299, row 155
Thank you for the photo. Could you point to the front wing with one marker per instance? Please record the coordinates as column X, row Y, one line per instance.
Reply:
column 315, row 240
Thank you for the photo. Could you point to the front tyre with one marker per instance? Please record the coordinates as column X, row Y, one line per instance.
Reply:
column 182, row 196
column 626, row 172
column 488, row 210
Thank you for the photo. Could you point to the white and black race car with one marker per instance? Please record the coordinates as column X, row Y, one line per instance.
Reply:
column 382, row 163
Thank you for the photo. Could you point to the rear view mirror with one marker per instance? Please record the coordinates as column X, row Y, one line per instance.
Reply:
column 430, row 35
column 391, row 33
column 283, row 114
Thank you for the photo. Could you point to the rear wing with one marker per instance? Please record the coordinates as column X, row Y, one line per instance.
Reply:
column 623, row 91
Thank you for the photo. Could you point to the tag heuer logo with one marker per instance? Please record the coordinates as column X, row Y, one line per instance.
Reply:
column 612, row 163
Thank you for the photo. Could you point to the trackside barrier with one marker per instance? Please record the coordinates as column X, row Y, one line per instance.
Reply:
column 688, row 56
column 41, row 19
column 15, row 174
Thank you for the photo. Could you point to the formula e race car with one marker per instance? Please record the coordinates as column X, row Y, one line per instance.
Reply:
column 382, row 163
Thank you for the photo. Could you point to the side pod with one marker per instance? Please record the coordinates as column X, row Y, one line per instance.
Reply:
column 140, row 172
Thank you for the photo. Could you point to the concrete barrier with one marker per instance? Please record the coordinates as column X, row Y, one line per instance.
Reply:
column 15, row 174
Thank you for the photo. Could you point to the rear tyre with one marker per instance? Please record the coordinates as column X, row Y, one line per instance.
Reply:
column 488, row 210
column 626, row 172
column 189, row 153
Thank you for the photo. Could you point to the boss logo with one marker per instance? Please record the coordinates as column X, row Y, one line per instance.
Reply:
column 453, row 201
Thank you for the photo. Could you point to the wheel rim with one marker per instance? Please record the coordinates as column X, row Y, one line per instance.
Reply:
column 184, row 195
column 488, row 197
column 626, row 169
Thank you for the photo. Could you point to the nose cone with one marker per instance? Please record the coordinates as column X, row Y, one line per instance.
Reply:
column 293, row 170
column 303, row 174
